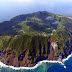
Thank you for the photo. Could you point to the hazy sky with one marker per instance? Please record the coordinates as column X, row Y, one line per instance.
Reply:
column 11, row 8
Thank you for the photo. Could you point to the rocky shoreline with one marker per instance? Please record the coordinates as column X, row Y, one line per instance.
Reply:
column 11, row 59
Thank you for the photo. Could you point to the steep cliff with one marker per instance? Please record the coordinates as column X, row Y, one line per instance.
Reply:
column 35, row 37
column 24, row 50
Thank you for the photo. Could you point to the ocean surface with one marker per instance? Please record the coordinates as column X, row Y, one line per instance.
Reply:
column 42, row 66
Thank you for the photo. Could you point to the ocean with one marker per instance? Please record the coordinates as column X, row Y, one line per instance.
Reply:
column 42, row 66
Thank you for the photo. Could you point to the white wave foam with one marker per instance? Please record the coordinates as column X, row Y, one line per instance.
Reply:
column 67, row 58
column 39, row 63
column 65, row 67
column 17, row 68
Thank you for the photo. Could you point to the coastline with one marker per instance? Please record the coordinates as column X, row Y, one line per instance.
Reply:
column 63, row 60
column 39, row 63
column 18, row 68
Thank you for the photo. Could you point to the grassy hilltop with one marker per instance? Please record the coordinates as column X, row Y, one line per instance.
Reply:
column 32, row 35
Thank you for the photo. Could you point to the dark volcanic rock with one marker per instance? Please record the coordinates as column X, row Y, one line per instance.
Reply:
column 10, row 57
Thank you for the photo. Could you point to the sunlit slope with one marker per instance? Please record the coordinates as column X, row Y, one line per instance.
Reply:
column 34, row 38
column 38, row 22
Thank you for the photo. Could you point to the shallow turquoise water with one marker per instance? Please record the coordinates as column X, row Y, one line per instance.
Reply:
column 44, row 67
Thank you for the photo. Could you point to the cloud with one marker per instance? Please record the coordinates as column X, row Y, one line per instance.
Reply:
column 61, row 0
column 54, row 0
column 35, row 0
column 23, row 0
column 16, row 1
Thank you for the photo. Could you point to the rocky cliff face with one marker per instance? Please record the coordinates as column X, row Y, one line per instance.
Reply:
column 32, row 38
column 10, row 58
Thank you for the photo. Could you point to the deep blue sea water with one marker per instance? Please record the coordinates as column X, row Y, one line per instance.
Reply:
column 44, row 67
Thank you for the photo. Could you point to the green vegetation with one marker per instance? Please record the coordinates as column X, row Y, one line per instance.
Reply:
column 63, row 36
column 29, row 33
column 32, row 45
column 4, row 41
column 38, row 22
column 33, row 27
